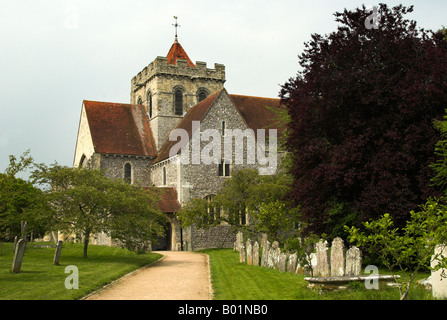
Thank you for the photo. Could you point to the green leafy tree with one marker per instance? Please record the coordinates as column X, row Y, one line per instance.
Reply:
column 86, row 202
column 412, row 247
column 23, row 208
column 245, row 194
column 409, row 249
column 362, row 107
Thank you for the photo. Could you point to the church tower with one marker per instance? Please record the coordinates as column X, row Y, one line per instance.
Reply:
column 170, row 85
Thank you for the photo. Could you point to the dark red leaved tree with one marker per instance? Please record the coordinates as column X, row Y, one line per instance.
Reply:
column 362, row 110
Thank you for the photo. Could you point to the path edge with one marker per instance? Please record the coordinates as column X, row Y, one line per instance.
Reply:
column 211, row 289
column 121, row 278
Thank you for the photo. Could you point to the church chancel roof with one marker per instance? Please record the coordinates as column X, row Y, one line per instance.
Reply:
column 119, row 128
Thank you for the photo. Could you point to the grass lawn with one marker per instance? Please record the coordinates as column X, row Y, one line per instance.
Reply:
column 235, row 281
column 39, row 279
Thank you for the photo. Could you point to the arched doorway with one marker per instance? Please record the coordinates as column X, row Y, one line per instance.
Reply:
column 164, row 243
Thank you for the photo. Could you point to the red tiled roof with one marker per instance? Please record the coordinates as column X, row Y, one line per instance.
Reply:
column 258, row 113
column 254, row 110
column 168, row 202
column 119, row 128
column 177, row 52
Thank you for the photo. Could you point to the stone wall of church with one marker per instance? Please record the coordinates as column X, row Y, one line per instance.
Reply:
column 204, row 180
column 172, row 175
column 113, row 166
column 214, row 237
column 84, row 145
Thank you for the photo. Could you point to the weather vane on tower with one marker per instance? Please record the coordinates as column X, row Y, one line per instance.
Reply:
column 176, row 25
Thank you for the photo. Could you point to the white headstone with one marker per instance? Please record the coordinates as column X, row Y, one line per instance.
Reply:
column 353, row 262
column 337, row 258
column 255, row 254
column 439, row 283
column 323, row 267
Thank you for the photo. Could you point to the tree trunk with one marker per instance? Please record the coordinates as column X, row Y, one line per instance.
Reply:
column 86, row 242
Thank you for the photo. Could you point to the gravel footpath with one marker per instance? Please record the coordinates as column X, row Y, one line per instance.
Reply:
column 179, row 275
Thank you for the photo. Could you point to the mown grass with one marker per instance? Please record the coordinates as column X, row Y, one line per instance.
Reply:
column 39, row 279
column 235, row 281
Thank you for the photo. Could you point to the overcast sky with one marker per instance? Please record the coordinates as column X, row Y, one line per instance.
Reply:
column 55, row 54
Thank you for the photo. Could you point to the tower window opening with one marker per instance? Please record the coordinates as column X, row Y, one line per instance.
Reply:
column 224, row 168
column 202, row 95
column 128, row 173
column 178, row 102
column 149, row 105
column 164, row 176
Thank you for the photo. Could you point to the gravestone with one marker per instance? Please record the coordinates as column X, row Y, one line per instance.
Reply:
column 439, row 283
column 291, row 264
column 310, row 267
column 249, row 247
column 272, row 255
column 242, row 257
column 282, row 261
column 57, row 252
column 353, row 262
column 276, row 255
column 18, row 256
column 256, row 254
column 265, row 253
column 15, row 243
column 323, row 266
column 238, row 242
column 264, row 240
column 337, row 258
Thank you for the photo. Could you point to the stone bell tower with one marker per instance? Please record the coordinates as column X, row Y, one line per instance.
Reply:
column 170, row 85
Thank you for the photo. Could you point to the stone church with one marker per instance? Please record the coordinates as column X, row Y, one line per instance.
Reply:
column 132, row 141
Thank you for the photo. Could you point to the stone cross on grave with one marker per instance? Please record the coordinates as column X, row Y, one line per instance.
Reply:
column 176, row 25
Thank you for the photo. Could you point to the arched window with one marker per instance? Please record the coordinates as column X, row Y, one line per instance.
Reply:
column 178, row 102
column 149, row 104
column 82, row 161
column 164, row 176
column 128, row 173
column 140, row 101
column 201, row 95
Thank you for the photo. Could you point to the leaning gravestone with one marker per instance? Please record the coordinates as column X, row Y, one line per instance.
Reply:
column 323, row 267
column 256, row 254
column 353, row 262
column 337, row 258
column 57, row 252
column 15, row 243
column 18, row 256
